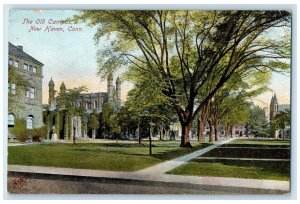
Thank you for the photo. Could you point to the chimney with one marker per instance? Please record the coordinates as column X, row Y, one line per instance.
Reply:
column 20, row 47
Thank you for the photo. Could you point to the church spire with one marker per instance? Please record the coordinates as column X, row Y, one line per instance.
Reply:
column 63, row 88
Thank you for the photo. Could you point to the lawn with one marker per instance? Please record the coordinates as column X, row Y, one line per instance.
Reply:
column 275, row 170
column 259, row 142
column 104, row 156
column 236, row 169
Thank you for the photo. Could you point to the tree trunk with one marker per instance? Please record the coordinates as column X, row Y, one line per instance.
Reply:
column 201, row 129
column 150, row 140
column 139, row 136
column 225, row 130
column 230, row 130
column 74, row 136
column 216, row 126
column 211, row 138
column 185, row 138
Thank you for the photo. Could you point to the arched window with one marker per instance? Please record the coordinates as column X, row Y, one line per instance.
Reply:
column 11, row 120
column 29, row 122
column 32, row 92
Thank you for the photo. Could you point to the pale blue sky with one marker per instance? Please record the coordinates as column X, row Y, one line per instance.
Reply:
column 71, row 56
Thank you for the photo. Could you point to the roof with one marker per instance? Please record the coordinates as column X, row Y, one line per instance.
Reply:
column 20, row 53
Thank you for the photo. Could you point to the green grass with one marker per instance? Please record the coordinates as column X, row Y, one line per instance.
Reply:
column 275, row 170
column 244, row 152
column 104, row 156
column 255, row 142
column 236, row 169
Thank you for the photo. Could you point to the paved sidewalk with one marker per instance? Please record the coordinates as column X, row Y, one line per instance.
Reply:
column 171, row 164
column 157, row 173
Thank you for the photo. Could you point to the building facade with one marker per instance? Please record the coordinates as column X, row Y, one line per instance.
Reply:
column 63, row 125
column 25, row 102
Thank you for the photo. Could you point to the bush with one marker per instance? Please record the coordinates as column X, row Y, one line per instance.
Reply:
column 20, row 130
column 39, row 133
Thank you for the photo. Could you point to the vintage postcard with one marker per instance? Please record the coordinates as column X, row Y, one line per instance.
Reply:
column 149, row 101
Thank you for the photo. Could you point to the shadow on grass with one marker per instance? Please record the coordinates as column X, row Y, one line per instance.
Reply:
column 256, row 145
column 249, row 153
column 142, row 150
column 167, row 155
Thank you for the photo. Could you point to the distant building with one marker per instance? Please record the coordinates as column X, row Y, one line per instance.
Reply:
column 275, row 108
column 25, row 104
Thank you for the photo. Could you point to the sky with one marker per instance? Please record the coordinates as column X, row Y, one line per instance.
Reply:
column 70, row 56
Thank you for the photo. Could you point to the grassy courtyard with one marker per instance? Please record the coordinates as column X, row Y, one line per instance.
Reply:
column 104, row 156
column 216, row 164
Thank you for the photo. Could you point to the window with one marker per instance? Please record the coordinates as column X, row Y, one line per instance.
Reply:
column 26, row 66
column 95, row 105
column 11, row 62
column 29, row 122
column 34, row 69
column 32, row 92
column 16, row 64
column 86, row 105
column 11, row 120
column 30, row 67
column 27, row 94
column 12, row 88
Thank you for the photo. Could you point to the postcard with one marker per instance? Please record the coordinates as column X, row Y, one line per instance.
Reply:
column 149, row 102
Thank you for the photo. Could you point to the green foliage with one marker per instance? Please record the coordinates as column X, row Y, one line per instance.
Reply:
column 39, row 133
column 180, row 53
column 67, row 101
column 21, row 85
column 257, row 123
column 282, row 120
column 94, row 121
column 20, row 130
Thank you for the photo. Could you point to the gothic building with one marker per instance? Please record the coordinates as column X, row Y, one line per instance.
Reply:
column 25, row 102
column 64, row 126
column 275, row 108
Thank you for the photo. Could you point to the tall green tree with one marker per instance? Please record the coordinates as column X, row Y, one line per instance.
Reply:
column 183, row 49
column 257, row 123
column 281, row 121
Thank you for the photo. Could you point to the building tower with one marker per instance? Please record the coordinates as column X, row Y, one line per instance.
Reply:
column 63, row 88
column 118, row 93
column 273, row 107
column 110, row 87
column 51, row 92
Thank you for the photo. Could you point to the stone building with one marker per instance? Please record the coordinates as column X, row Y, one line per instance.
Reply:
column 63, row 125
column 25, row 103
column 275, row 108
